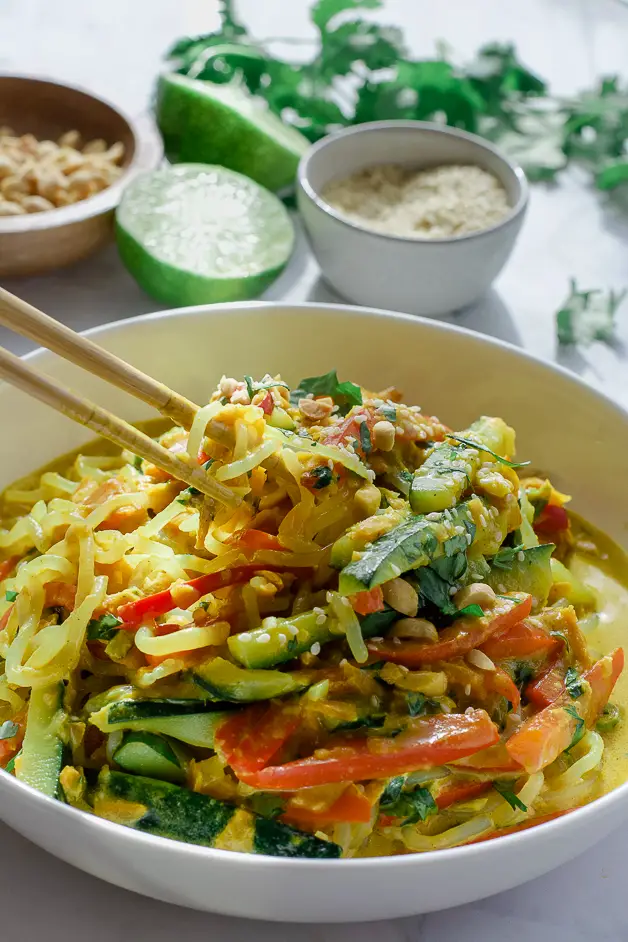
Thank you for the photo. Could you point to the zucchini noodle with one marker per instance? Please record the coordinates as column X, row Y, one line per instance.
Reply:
column 344, row 665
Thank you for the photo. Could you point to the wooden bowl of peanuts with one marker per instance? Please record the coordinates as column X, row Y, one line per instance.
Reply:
column 65, row 156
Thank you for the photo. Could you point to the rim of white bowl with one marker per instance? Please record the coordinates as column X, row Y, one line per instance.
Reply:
column 383, row 127
column 238, row 858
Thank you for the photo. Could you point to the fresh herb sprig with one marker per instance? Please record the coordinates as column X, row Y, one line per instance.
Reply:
column 361, row 70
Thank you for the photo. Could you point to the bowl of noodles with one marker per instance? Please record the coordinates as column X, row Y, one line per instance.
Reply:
column 389, row 658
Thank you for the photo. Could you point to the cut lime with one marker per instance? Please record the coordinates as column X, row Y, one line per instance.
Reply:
column 224, row 124
column 196, row 234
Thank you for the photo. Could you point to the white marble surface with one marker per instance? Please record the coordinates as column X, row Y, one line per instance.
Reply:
column 114, row 48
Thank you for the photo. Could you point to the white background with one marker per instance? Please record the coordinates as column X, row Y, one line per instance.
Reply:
column 114, row 48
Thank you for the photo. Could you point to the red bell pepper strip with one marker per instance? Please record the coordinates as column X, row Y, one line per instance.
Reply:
column 549, row 684
column 520, row 640
column 7, row 567
column 4, row 621
column 267, row 405
column 552, row 519
column 501, row 682
column 249, row 739
column 428, row 742
column 162, row 602
column 369, row 601
column 460, row 638
column 543, row 737
column 353, row 807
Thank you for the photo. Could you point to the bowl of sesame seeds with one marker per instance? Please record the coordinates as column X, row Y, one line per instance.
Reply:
column 409, row 215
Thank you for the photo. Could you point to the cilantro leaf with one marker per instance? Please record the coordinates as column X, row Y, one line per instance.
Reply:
column 344, row 394
column 416, row 703
column 187, row 494
column 323, row 476
column 10, row 595
column 8, row 730
column 586, row 316
column 392, row 792
column 365, row 438
column 324, row 11
column 417, row 806
column 474, row 611
column 513, row 800
column 138, row 463
column 573, row 683
column 580, row 729
column 104, row 628
column 498, row 458
column 505, row 557
column 523, row 671
column 389, row 412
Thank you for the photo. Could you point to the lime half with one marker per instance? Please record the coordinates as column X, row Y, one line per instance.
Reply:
column 225, row 124
column 196, row 234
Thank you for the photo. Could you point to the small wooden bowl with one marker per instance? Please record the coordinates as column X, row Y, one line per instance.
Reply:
column 40, row 242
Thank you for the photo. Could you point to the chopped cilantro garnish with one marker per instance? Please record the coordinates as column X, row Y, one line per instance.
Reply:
column 103, row 628
column 389, row 412
column 509, row 796
column 254, row 387
column 10, row 595
column 573, row 683
column 392, row 792
column 365, row 438
column 504, row 558
column 323, row 476
column 580, row 729
column 209, row 463
column 138, row 463
column 522, row 673
column 586, row 316
column 475, row 611
column 344, row 395
column 8, row 730
column 418, row 806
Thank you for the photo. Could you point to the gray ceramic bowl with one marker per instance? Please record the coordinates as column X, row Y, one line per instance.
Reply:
column 431, row 277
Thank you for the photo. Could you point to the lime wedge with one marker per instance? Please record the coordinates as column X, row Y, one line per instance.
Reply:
column 223, row 124
column 196, row 234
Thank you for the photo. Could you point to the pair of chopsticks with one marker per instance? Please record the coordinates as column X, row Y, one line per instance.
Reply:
column 32, row 323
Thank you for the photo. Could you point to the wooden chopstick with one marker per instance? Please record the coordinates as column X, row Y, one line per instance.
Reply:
column 32, row 323
column 104, row 423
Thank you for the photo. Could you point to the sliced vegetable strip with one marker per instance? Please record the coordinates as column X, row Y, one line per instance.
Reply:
column 428, row 742
column 464, row 635
column 162, row 602
column 249, row 740
column 520, row 640
column 544, row 736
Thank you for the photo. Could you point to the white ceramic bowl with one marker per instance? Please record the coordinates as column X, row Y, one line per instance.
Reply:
column 451, row 372
column 431, row 277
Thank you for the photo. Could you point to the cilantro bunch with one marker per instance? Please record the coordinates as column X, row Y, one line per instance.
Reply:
column 361, row 71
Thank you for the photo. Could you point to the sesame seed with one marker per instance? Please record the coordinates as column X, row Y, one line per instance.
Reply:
column 374, row 701
column 453, row 590
column 377, row 640
column 371, row 476
column 469, row 539
column 321, row 619
column 343, row 662
column 521, row 556
column 467, row 689
column 346, row 602
column 433, row 517
column 318, row 610
column 264, row 638
column 360, row 419
column 335, row 409
column 293, row 630
column 396, row 640
column 315, row 649
column 501, row 588
column 330, row 464
column 396, row 571
column 270, row 622
column 282, row 639
column 482, row 520
column 245, row 636
column 459, row 530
